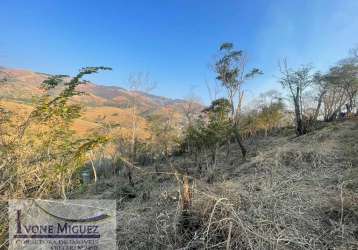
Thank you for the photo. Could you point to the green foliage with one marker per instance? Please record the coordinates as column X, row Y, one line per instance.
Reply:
column 58, row 106
column 46, row 145
column 218, row 126
column 230, row 68
column 211, row 130
column 266, row 118
column 219, row 106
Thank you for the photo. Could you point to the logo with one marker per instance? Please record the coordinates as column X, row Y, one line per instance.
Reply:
column 55, row 225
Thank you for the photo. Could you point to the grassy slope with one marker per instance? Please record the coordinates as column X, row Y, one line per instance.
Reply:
column 289, row 194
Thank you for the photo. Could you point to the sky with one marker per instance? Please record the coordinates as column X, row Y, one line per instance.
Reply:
column 175, row 41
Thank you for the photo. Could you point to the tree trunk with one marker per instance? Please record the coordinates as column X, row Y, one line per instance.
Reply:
column 319, row 104
column 299, row 123
column 239, row 141
column 349, row 108
column 333, row 116
column 299, row 129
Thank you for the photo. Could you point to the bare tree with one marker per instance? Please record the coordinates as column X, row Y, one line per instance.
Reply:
column 165, row 130
column 333, row 101
column 191, row 107
column 296, row 81
column 345, row 77
column 323, row 87
column 138, row 83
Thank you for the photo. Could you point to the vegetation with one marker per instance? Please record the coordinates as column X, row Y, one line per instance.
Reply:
column 280, row 173
column 343, row 89
column 45, row 143
column 230, row 69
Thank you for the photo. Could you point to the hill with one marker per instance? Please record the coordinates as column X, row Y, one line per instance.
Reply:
column 291, row 193
column 21, row 86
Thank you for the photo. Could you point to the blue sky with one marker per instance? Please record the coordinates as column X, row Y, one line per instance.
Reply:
column 174, row 40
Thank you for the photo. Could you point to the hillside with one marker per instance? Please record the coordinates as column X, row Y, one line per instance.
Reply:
column 22, row 85
column 109, row 102
column 291, row 193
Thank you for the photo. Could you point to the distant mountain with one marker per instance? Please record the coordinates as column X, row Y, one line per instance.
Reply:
column 22, row 85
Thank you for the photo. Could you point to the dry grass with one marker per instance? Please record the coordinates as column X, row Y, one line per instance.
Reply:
column 292, row 193
column 291, row 196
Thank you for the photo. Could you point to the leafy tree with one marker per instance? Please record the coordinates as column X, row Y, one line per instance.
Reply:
column 42, row 153
column 231, row 72
column 209, row 131
column 218, row 128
